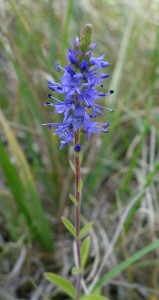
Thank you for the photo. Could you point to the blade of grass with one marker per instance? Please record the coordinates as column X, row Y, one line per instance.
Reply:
column 15, row 185
column 122, row 266
column 20, row 16
column 32, row 110
column 65, row 34
column 125, row 216
column 30, row 189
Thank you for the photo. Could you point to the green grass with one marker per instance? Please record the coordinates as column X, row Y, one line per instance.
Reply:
column 35, row 175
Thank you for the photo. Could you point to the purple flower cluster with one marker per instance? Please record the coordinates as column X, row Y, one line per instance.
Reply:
column 80, row 84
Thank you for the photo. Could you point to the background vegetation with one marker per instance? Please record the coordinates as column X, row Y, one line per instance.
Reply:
column 120, row 170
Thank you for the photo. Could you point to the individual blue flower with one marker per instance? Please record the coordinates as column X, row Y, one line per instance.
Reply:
column 99, row 62
column 83, row 65
column 71, row 84
column 93, row 46
column 72, row 56
column 76, row 42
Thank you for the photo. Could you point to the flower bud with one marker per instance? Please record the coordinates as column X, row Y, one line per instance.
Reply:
column 77, row 148
column 86, row 38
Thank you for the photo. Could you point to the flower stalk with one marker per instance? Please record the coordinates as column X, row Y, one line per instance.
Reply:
column 77, row 214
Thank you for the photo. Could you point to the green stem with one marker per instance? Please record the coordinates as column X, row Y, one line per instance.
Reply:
column 77, row 216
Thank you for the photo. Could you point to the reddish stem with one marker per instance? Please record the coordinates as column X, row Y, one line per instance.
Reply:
column 77, row 216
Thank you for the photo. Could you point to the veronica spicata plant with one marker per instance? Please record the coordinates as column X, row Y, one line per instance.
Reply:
column 81, row 85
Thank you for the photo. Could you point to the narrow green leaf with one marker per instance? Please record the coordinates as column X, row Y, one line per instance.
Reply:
column 69, row 225
column 80, row 186
column 115, row 271
column 85, row 229
column 72, row 166
column 94, row 297
column 73, row 199
column 62, row 283
column 84, row 251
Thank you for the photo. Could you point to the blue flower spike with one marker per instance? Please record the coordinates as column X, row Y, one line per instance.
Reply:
column 81, row 84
